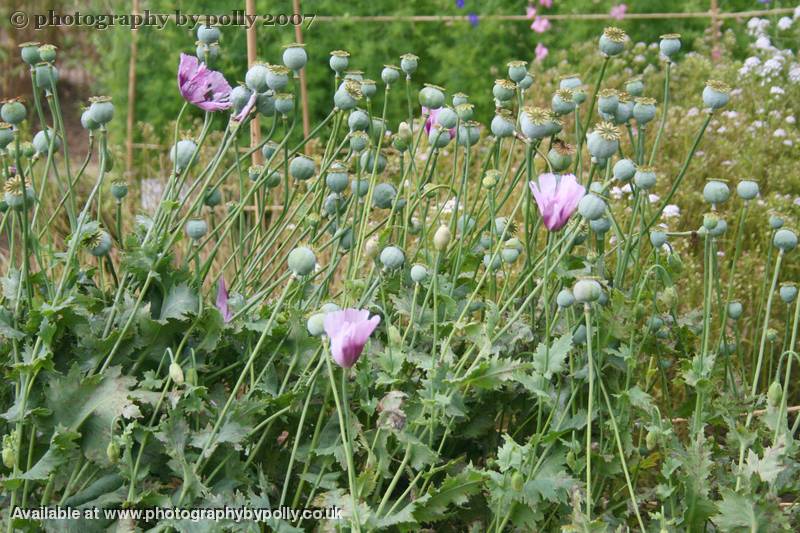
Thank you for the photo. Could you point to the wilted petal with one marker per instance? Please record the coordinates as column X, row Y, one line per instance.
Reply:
column 222, row 301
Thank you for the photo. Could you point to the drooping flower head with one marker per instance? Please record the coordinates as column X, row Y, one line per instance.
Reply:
column 222, row 301
column 349, row 330
column 557, row 198
column 201, row 86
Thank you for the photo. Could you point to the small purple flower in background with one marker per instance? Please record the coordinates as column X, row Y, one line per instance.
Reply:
column 222, row 301
column 201, row 86
column 546, row 3
column 349, row 330
column 540, row 24
column 618, row 11
column 473, row 19
column 541, row 52
column 530, row 12
column 557, row 198
column 460, row 4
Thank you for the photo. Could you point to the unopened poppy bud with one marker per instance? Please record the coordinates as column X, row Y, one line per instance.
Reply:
column 774, row 393
column 441, row 238
column 176, row 373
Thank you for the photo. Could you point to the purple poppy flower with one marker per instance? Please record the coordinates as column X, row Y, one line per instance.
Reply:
column 222, row 301
column 460, row 4
column 349, row 331
column 557, row 198
column 201, row 86
column 473, row 19
column 241, row 115
column 433, row 115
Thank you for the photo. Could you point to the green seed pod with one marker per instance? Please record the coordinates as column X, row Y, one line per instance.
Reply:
column 565, row 298
column 670, row 44
column 13, row 112
column 747, row 189
column 213, row 197
column 302, row 168
column 390, row 74
column 383, row 195
column 392, row 257
column 509, row 255
column 302, row 261
column 591, row 207
column 775, row 222
column 42, row 140
column 716, row 94
column 785, row 240
column 315, row 324
column 30, row 53
column 772, row 335
column 431, row 96
column 517, row 481
column 181, row 153
column 408, row 64
column 788, row 292
column 635, row 86
column 339, row 61
column 196, row 229
column 419, row 273
column 587, row 291
column 560, row 155
column 645, row 178
column 112, row 451
column 295, row 57
column 612, row 41
column 492, row 261
column 176, row 373
column 119, row 190
column 100, row 244
column 774, row 394
column 337, row 178
column 517, row 70
column 716, row 192
column 651, row 440
column 370, row 163
column 101, row 110
column 735, row 310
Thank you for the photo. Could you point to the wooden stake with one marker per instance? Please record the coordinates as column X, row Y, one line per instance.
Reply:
column 131, row 96
column 298, row 36
column 255, row 129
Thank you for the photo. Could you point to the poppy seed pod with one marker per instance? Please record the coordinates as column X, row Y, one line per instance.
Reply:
column 624, row 109
column 372, row 163
column 600, row 225
column 517, row 70
column 46, row 76
column 314, row 324
column 13, row 112
column 408, row 64
column 99, row 244
column 196, row 229
column 337, row 178
column 526, row 82
column 587, row 291
column 716, row 192
column 735, row 310
column 339, row 61
column 390, row 74
column 439, row 137
column 358, row 141
column 431, row 96
column 256, row 78
column 570, row 81
column 295, row 56
column 441, row 239
column 392, row 257
column 240, row 96
column 603, row 141
column 645, row 177
column 785, row 240
column 101, row 110
column 377, row 129
column 213, row 197
column 644, row 110
column 560, row 155
column 658, row 239
column 447, row 118
column 368, row 88
column 788, row 292
column 502, row 125
column 208, row 34
column 468, row 133
column 465, row 111
column 747, row 189
column 383, row 195
column 509, row 255
column 670, row 44
column 716, row 94
column 348, row 95
column 719, row 229
column 460, row 98
column 775, row 222
column 302, row 168
column 563, row 102
column 358, row 120
column 591, row 207
column 608, row 101
column 565, row 298
column 176, row 373
column 6, row 134
column 535, row 122
column 612, row 41
column 503, row 90
column 277, row 77
column 302, row 261
column 182, row 152
column 419, row 273
column 47, row 53
column 30, row 53
column 18, row 192
column 624, row 169
column 42, row 140
column 265, row 104
column 284, row 103
column 119, row 190
column 635, row 86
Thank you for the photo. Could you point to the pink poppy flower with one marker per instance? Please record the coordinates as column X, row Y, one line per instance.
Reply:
column 530, row 11
column 222, row 301
column 433, row 114
column 540, row 24
column 557, row 198
column 618, row 11
column 349, row 330
column 546, row 3
column 541, row 52
column 201, row 86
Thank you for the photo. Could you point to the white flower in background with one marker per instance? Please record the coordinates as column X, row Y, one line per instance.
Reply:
column 671, row 211
column 653, row 198
column 796, row 12
column 449, row 206
column 784, row 23
column 757, row 26
column 693, row 112
column 772, row 65
column 727, row 163
column 627, row 188
column 758, row 123
column 152, row 190
column 639, row 59
column 616, row 192
column 730, row 114
column 736, row 92
column 797, row 201
column 780, row 132
column 790, row 119
column 776, row 90
column 788, row 142
column 794, row 73
column 722, row 129
column 763, row 43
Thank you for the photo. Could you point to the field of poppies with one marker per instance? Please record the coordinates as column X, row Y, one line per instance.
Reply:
column 579, row 316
